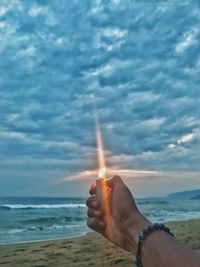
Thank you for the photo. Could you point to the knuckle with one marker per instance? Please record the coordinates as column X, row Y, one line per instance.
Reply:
column 116, row 178
column 89, row 201
column 90, row 223
column 91, row 191
column 89, row 213
column 92, row 186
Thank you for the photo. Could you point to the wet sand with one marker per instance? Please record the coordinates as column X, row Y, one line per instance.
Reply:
column 89, row 250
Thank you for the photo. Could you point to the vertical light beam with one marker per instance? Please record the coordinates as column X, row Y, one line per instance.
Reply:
column 100, row 147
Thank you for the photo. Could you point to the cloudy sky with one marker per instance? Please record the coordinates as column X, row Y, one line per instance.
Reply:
column 139, row 62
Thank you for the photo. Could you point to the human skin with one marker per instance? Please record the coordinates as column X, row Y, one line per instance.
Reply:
column 123, row 222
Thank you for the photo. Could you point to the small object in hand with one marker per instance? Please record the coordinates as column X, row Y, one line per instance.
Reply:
column 101, row 188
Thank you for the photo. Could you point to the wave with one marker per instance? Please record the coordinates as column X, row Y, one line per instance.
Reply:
column 4, row 208
column 47, row 220
column 12, row 231
column 153, row 202
column 42, row 206
column 176, row 215
column 55, row 227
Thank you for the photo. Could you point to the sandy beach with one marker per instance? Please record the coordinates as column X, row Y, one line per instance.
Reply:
column 88, row 250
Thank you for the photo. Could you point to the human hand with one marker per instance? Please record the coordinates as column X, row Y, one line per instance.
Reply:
column 123, row 221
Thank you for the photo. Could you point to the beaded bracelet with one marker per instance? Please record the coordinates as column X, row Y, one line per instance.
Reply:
column 143, row 235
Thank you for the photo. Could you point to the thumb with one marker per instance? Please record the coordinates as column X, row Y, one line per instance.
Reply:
column 112, row 182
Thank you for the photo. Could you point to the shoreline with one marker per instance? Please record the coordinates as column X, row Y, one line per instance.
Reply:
column 43, row 240
column 88, row 250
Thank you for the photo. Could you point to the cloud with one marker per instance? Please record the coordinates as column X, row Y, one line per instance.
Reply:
column 188, row 40
column 3, row 11
column 60, row 60
column 127, row 174
column 186, row 138
column 36, row 10
column 30, row 51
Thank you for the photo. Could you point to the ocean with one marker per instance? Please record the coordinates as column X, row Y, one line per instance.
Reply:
column 32, row 219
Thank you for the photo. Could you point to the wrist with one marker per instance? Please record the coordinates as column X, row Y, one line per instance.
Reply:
column 135, row 225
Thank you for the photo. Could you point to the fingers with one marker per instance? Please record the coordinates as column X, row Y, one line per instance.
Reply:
column 93, row 213
column 96, row 224
column 94, row 221
column 112, row 182
column 92, row 202
column 92, row 189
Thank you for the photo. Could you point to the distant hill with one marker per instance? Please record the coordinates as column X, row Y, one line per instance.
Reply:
column 192, row 194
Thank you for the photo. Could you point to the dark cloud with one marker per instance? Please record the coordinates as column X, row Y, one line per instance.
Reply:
column 138, row 61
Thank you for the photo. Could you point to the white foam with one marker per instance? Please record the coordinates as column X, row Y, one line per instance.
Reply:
column 13, row 231
column 166, row 216
column 44, row 206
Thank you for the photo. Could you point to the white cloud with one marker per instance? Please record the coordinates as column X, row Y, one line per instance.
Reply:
column 30, row 51
column 143, row 97
column 155, row 122
column 171, row 146
column 13, row 135
column 3, row 11
column 186, row 138
column 35, row 140
column 116, row 2
column 35, row 11
column 125, row 173
column 105, row 70
column 188, row 40
column 191, row 121
column 114, row 32
column 13, row 117
column 2, row 24
column 60, row 41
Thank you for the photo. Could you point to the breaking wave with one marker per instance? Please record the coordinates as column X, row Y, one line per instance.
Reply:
column 43, row 206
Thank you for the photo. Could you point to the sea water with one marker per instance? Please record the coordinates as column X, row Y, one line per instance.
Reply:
column 31, row 219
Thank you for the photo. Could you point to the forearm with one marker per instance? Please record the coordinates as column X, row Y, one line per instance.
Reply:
column 161, row 249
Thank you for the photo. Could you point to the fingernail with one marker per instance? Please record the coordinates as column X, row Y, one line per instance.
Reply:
column 94, row 204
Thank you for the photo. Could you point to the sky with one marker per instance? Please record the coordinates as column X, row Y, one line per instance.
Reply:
column 137, row 61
